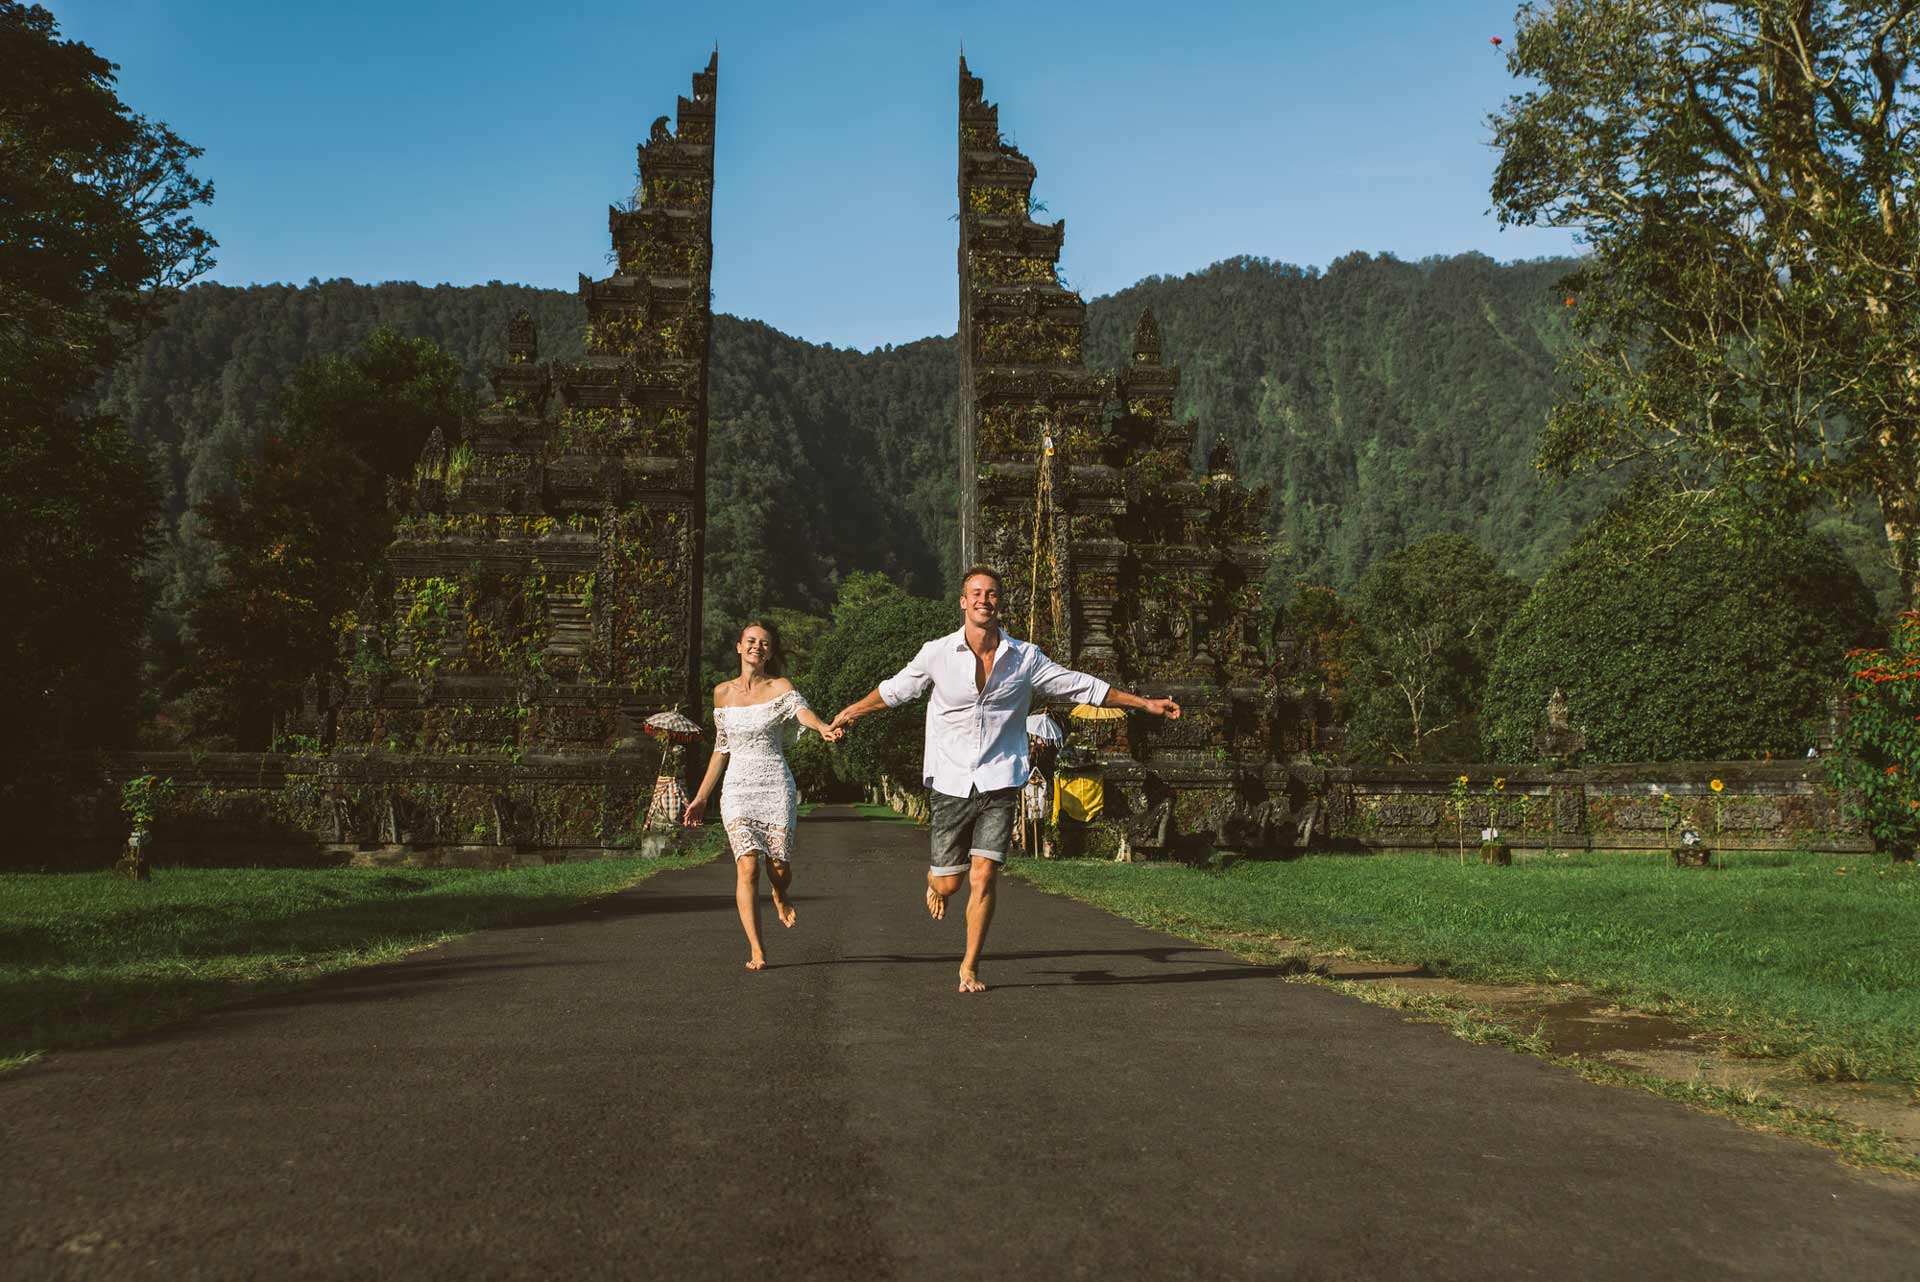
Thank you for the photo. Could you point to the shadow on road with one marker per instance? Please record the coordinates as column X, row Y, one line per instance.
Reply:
column 1159, row 956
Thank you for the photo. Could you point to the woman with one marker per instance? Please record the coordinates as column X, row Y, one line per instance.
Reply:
column 754, row 718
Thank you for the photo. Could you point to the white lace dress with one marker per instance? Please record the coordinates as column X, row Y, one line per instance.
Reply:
column 759, row 804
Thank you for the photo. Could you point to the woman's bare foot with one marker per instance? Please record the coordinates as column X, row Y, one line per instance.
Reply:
column 756, row 963
column 936, row 904
column 970, row 982
column 783, row 909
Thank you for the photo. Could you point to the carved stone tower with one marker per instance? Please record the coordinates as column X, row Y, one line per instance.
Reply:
column 1080, row 488
column 546, row 571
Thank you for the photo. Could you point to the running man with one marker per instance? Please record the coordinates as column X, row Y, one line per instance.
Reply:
column 975, row 761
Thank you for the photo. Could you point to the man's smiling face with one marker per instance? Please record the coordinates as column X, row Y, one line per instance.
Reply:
column 980, row 601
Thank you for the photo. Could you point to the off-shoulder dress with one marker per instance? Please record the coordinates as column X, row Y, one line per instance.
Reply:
column 759, row 805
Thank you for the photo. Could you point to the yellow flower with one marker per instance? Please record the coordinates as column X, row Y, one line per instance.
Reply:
column 1500, row 782
column 1716, row 785
column 1463, row 778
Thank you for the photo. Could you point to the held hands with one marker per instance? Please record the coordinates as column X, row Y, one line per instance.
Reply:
column 695, row 812
column 846, row 717
column 1164, row 708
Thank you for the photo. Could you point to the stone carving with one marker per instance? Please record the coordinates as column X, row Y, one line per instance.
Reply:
column 546, row 569
column 1078, row 486
column 1557, row 740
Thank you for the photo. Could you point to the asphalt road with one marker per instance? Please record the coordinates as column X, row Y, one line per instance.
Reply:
column 608, row 1094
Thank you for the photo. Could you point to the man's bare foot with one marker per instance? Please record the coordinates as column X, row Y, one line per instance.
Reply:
column 970, row 982
column 756, row 963
column 783, row 908
column 936, row 904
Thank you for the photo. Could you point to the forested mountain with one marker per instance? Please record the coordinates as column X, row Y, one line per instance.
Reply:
column 1381, row 400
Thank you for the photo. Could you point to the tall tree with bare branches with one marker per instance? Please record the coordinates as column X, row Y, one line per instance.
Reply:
column 1744, row 176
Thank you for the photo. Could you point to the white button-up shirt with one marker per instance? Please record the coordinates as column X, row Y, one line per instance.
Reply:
column 978, row 738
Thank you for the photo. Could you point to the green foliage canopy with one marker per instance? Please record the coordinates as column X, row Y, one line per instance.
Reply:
column 1746, row 178
column 1429, row 618
column 876, row 629
column 95, row 226
column 1724, row 644
column 303, row 529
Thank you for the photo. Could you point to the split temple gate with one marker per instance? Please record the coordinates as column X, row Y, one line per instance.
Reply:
column 545, row 582
column 1078, row 487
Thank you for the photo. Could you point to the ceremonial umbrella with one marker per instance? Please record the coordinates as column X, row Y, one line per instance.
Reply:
column 673, row 726
column 669, row 795
column 1094, row 712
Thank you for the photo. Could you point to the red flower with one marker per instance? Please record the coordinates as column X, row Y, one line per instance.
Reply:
column 1893, row 770
column 1494, row 40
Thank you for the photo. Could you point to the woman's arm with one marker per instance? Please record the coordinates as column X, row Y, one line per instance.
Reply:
column 806, row 717
column 697, row 808
column 716, row 764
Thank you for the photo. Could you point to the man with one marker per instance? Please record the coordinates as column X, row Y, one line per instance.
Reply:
column 976, row 746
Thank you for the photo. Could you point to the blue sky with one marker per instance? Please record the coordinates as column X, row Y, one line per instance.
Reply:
column 479, row 141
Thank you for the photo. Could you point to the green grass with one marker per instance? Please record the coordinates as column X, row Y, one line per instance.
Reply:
column 88, row 956
column 885, row 814
column 1795, row 957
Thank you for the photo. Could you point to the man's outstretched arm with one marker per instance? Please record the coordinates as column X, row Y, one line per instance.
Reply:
column 902, row 687
column 1118, row 698
column 873, row 702
column 1064, row 683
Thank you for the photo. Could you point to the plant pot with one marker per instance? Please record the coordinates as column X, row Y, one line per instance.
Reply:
column 1496, row 852
column 1691, row 856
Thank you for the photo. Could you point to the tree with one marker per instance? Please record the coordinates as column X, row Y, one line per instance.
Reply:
column 876, row 628
column 1429, row 618
column 95, row 228
column 97, row 218
column 301, row 533
column 1745, row 178
column 1724, row 644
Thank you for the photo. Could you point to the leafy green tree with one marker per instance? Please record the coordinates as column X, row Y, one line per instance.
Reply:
column 1429, row 618
column 303, row 528
column 1326, row 635
column 1724, row 643
column 95, row 227
column 877, row 627
column 1745, row 177
column 97, row 215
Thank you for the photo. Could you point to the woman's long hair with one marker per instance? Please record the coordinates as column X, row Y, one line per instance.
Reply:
column 776, row 665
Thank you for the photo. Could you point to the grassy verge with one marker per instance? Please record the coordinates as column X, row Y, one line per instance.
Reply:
column 1797, row 955
column 85, row 957
column 885, row 814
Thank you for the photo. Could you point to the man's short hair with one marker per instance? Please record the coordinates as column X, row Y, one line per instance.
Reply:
column 973, row 572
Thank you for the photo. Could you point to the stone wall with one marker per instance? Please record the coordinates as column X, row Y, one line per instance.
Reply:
column 362, row 808
column 1762, row 806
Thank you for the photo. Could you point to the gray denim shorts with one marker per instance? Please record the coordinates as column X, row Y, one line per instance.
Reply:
column 966, row 826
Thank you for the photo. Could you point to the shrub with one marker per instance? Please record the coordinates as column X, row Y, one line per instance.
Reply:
column 876, row 629
column 1879, row 758
column 1724, row 642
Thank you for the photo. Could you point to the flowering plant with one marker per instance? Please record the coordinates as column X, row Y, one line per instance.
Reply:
column 1459, row 804
column 141, row 798
column 1879, row 749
